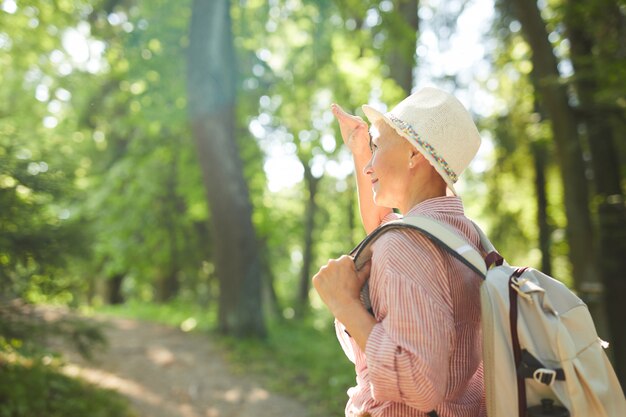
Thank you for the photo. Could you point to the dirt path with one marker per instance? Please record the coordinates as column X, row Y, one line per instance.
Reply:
column 168, row 373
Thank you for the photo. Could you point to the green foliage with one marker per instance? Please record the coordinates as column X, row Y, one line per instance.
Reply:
column 516, row 130
column 38, row 234
column 26, row 330
column 39, row 228
column 29, row 388
column 154, row 227
column 32, row 382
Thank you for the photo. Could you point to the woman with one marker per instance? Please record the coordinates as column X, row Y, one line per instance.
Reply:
column 420, row 354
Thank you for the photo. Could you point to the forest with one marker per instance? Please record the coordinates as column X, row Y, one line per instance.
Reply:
column 183, row 154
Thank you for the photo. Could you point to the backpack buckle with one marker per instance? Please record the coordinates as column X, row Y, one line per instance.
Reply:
column 545, row 376
column 516, row 283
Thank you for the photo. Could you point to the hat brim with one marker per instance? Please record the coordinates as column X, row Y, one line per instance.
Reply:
column 374, row 116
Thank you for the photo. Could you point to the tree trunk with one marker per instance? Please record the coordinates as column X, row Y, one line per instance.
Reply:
column 402, row 43
column 307, row 255
column 211, row 100
column 554, row 100
column 114, row 289
column 540, row 157
column 169, row 285
column 271, row 303
column 607, row 181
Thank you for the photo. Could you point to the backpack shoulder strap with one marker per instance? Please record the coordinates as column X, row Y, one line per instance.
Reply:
column 484, row 240
column 436, row 231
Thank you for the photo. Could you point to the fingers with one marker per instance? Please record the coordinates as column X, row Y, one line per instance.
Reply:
column 364, row 273
column 338, row 111
column 345, row 117
column 345, row 263
column 354, row 132
column 357, row 130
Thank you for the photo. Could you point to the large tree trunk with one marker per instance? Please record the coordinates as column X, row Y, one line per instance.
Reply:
column 606, row 175
column 211, row 93
column 554, row 100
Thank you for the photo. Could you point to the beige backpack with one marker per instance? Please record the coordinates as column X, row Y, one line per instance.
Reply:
column 542, row 355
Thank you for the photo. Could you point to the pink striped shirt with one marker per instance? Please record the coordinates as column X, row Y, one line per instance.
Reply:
column 425, row 351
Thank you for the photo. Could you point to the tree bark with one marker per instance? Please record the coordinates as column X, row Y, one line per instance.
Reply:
column 172, row 207
column 307, row 255
column 554, row 100
column 540, row 157
column 402, row 43
column 114, row 289
column 607, row 179
column 271, row 303
column 211, row 101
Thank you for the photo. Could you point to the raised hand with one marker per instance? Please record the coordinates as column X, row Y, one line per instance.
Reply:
column 354, row 131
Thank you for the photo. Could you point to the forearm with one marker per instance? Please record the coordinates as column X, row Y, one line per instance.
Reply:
column 356, row 137
column 371, row 214
column 357, row 321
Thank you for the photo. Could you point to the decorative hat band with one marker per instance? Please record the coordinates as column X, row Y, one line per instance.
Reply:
column 408, row 130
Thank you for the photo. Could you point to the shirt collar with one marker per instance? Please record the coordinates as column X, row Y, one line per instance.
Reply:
column 448, row 204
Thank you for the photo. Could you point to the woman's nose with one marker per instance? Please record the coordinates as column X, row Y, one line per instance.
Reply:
column 367, row 169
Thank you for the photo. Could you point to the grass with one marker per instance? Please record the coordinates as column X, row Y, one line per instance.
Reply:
column 31, row 388
column 176, row 314
column 31, row 381
column 300, row 358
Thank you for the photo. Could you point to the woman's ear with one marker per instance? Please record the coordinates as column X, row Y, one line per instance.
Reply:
column 415, row 157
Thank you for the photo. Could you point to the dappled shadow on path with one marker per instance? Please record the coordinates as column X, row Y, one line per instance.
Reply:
column 168, row 373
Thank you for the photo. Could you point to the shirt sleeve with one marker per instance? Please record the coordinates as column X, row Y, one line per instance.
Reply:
column 344, row 341
column 408, row 350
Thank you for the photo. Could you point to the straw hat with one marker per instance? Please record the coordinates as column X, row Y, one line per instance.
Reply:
column 438, row 125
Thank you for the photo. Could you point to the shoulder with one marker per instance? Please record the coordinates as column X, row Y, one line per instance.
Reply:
column 406, row 248
column 406, row 263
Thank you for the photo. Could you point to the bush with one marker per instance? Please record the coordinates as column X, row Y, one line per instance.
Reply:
column 28, row 388
column 31, row 384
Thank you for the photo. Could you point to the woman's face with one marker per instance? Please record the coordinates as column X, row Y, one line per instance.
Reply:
column 389, row 166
